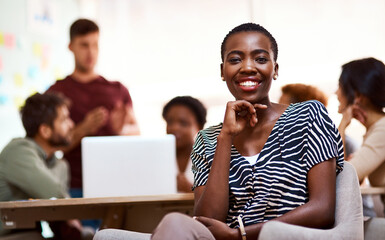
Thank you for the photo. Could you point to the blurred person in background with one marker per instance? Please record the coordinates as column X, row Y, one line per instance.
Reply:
column 361, row 93
column 29, row 168
column 298, row 92
column 184, row 116
column 99, row 107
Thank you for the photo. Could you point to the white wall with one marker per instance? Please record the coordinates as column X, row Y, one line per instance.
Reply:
column 161, row 49
column 33, row 53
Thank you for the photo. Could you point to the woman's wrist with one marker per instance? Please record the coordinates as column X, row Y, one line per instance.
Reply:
column 225, row 136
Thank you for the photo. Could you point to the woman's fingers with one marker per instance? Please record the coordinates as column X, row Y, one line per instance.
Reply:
column 260, row 106
column 204, row 220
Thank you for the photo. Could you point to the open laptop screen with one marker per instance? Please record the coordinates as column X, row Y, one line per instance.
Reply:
column 128, row 165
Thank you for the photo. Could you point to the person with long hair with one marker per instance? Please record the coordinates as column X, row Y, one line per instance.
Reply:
column 361, row 94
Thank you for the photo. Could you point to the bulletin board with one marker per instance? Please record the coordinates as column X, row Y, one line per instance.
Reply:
column 33, row 54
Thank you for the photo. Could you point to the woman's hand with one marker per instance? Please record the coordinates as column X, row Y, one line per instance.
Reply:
column 359, row 113
column 238, row 115
column 183, row 184
column 347, row 116
column 219, row 229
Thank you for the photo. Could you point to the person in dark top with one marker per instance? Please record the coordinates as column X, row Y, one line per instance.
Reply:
column 184, row 116
column 99, row 107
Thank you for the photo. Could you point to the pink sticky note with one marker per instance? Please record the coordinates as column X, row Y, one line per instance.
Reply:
column 9, row 40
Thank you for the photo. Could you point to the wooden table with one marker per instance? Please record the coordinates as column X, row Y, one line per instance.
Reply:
column 136, row 213
column 372, row 190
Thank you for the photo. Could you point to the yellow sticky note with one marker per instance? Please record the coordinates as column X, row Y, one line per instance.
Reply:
column 58, row 73
column 18, row 101
column 32, row 90
column 18, row 80
column 37, row 50
column 1, row 38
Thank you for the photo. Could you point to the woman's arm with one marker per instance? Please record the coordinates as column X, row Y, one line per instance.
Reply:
column 347, row 116
column 370, row 156
column 212, row 200
column 318, row 212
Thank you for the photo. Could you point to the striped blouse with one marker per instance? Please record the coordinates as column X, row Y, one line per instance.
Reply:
column 302, row 137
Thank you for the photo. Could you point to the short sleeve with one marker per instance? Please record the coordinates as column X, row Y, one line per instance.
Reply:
column 125, row 95
column 324, row 140
column 200, row 165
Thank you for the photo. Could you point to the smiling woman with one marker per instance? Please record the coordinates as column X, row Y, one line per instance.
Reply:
column 265, row 161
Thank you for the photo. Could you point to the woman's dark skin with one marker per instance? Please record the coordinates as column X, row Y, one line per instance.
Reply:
column 182, row 123
column 247, row 124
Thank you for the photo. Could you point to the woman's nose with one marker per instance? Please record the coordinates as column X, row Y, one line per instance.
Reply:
column 248, row 66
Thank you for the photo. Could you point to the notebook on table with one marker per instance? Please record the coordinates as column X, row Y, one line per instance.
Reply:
column 128, row 165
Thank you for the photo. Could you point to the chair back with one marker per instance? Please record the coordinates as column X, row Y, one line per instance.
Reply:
column 348, row 222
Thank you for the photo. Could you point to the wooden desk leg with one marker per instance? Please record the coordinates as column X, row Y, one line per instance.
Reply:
column 114, row 217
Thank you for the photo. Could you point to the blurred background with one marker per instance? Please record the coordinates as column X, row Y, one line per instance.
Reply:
column 163, row 48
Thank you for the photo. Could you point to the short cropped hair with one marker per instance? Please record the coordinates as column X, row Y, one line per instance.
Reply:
column 251, row 27
column 301, row 92
column 366, row 77
column 82, row 27
column 191, row 103
column 40, row 109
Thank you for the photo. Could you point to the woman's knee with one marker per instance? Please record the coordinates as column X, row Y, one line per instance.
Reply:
column 117, row 234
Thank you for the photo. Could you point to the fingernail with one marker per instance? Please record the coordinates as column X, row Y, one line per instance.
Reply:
column 194, row 217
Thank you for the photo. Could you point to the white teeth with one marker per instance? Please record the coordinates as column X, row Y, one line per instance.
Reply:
column 248, row 84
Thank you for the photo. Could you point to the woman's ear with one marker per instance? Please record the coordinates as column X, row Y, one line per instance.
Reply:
column 276, row 67
column 223, row 78
column 45, row 131
column 360, row 100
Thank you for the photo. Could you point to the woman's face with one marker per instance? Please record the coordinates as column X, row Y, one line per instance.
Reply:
column 248, row 66
column 342, row 99
column 181, row 122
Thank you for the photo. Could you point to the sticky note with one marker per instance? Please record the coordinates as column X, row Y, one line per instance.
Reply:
column 1, row 38
column 58, row 73
column 9, row 40
column 18, row 80
column 46, row 51
column 18, row 101
column 33, row 72
column 3, row 99
column 44, row 63
column 36, row 49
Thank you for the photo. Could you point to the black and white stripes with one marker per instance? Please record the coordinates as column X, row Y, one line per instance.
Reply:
column 302, row 137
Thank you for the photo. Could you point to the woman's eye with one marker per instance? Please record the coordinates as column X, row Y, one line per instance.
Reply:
column 261, row 60
column 234, row 60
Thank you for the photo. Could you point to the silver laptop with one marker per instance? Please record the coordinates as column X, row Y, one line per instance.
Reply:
column 128, row 165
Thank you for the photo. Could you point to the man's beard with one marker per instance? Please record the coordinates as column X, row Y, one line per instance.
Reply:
column 57, row 140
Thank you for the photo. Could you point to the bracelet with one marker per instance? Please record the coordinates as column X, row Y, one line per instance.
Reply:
column 242, row 228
